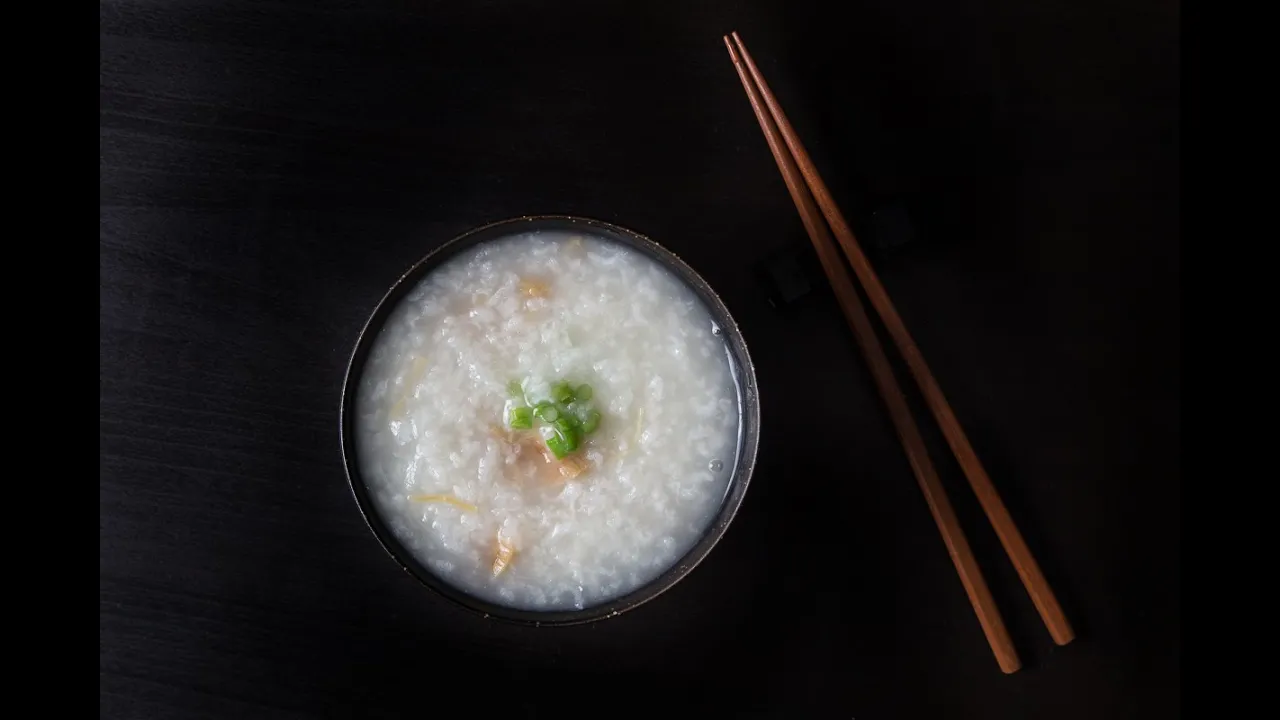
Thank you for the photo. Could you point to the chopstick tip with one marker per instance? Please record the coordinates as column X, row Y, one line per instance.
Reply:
column 733, row 52
column 737, row 47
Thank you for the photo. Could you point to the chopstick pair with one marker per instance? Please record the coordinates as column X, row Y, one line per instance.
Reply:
column 806, row 187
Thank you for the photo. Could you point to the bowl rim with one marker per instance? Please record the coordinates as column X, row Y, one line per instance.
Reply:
column 741, row 367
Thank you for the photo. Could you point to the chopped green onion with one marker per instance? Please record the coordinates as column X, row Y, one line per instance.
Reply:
column 565, row 429
column 548, row 412
column 521, row 418
column 562, row 392
column 572, row 414
column 558, row 445
column 565, row 419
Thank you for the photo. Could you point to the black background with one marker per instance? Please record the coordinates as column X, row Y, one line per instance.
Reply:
column 269, row 168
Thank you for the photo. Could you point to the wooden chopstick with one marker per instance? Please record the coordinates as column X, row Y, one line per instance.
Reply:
column 847, row 296
column 1023, row 561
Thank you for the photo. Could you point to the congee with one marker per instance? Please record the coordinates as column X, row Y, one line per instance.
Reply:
column 547, row 421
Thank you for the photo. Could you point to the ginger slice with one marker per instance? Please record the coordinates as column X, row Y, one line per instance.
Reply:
column 447, row 499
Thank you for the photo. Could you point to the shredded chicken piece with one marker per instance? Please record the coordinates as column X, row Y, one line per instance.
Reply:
column 529, row 446
column 449, row 499
column 503, row 556
column 573, row 465
column 533, row 460
column 534, row 289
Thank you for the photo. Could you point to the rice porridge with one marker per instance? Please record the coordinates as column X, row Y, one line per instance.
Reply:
column 547, row 421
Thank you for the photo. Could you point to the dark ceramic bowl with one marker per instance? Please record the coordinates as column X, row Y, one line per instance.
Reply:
column 740, row 365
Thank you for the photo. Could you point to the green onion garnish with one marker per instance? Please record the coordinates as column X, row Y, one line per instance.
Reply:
column 521, row 418
column 547, row 412
column 565, row 429
column 562, row 392
column 563, row 421
column 558, row 445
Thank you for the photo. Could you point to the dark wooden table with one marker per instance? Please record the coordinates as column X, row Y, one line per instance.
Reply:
column 268, row 168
